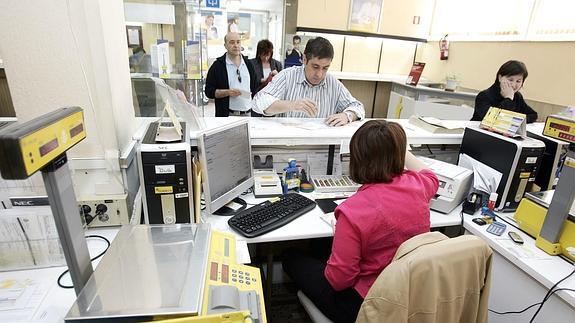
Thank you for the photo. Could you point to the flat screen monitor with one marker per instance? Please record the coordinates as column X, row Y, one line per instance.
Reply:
column 226, row 159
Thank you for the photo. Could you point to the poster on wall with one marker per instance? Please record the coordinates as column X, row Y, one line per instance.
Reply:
column 240, row 23
column 365, row 15
column 213, row 26
column 295, row 45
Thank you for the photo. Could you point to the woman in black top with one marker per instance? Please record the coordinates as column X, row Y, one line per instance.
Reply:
column 264, row 65
column 504, row 93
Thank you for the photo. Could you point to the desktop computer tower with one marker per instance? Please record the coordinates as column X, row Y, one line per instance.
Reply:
column 554, row 148
column 166, row 178
column 517, row 159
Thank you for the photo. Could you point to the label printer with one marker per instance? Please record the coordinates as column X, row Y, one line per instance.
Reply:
column 454, row 184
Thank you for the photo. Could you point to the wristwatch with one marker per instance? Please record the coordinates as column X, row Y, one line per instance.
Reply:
column 349, row 116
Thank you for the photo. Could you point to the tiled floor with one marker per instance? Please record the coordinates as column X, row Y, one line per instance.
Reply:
column 285, row 306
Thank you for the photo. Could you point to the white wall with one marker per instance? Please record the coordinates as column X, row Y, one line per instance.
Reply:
column 70, row 53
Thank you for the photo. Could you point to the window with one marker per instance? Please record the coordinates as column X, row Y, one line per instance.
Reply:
column 553, row 20
column 481, row 20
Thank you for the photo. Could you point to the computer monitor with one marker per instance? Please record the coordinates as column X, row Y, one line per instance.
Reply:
column 226, row 160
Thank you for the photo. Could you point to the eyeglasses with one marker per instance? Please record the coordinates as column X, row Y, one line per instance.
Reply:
column 239, row 76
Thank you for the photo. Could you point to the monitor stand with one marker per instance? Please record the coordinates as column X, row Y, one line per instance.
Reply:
column 235, row 206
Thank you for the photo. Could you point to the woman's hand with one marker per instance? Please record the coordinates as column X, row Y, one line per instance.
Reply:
column 506, row 88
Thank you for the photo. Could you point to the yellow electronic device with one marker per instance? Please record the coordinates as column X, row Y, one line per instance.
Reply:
column 530, row 216
column 231, row 317
column 28, row 147
column 560, row 127
column 230, row 286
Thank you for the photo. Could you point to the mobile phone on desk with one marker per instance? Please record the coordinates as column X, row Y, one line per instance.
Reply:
column 515, row 237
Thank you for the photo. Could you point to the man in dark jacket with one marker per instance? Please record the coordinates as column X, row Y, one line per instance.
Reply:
column 231, row 80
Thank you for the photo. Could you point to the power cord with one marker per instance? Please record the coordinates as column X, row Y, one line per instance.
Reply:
column 550, row 292
column 98, row 256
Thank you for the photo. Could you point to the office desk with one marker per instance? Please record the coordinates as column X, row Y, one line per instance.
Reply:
column 313, row 131
column 521, row 276
column 311, row 225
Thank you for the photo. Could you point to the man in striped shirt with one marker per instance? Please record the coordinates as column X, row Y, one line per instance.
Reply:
column 308, row 91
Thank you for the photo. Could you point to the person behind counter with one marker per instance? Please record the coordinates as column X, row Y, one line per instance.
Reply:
column 309, row 91
column 231, row 80
column 264, row 65
column 390, row 207
column 504, row 93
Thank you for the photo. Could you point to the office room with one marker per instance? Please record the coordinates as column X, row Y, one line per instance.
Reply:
column 287, row 161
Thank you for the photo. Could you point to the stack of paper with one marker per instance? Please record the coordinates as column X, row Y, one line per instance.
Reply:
column 434, row 125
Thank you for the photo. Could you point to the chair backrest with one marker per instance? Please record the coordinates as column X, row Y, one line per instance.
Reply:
column 432, row 279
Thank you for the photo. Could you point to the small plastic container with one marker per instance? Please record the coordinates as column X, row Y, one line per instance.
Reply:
column 492, row 200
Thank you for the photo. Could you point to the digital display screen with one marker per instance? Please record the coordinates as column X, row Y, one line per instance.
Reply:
column 76, row 130
column 48, row 147
column 559, row 126
column 441, row 184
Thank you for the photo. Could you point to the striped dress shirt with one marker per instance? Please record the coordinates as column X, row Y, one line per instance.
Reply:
column 330, row 96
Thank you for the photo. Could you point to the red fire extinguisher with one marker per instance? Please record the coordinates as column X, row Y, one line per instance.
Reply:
column 444, row 48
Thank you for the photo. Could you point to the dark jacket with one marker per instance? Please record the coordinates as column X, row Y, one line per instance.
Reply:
column 258, row 67
column 217, row 79
column 492, row 98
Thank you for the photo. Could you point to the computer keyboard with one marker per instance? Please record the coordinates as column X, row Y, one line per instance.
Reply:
column 334, row 183
column 270, row 215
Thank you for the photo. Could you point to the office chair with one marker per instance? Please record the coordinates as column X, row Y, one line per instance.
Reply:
column 431, row 279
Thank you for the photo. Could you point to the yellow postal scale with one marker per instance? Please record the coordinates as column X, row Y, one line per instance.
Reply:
column 548, row 216
column 173, row 273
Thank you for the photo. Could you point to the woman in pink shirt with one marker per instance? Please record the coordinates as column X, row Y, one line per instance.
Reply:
column 390, row 207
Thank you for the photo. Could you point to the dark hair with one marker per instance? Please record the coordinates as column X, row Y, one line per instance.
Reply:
column 377, row 152
column 510, row 68
column 296, row 37
column 264, row 47
column 318, row 47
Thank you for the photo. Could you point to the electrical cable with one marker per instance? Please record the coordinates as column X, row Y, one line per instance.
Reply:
column 98, row 256
column 550, row 292
column 461, row 227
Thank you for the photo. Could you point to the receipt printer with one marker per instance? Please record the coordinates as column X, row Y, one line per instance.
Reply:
column 267, row 183
column 454, row 184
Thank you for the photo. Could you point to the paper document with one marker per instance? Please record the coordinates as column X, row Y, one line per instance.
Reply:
column 246, row 94
column 20, row 298
column 485, row 178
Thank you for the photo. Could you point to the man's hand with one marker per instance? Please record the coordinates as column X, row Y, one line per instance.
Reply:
column 337, row 120
column 234, row 92
column 274, row 73
column 306, row 106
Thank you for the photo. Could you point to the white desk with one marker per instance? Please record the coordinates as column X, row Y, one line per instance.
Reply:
column 313, row 131
column 519, row 281
column 311, row 225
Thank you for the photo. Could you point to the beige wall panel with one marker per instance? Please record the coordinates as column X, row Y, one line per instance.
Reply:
column 361, row 54
column 381, row 99
column 325, row 14
column 337, row 42
column 475, row 63
column 396, row 56
column 398, row 17
column 363, row 91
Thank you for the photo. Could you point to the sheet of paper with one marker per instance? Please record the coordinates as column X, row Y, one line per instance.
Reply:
column 485, row 178
column 245, row 94
column 521, row 251
column 20, row 298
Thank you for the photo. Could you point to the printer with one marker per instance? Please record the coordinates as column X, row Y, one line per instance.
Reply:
column 517, row 159
column 454, row 184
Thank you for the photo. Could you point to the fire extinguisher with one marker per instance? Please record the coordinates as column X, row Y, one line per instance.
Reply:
column 444, row 48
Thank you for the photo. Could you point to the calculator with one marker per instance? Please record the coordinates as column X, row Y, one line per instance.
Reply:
column 496, row 228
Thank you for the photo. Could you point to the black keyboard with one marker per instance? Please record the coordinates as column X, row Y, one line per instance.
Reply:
column 270, row 215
